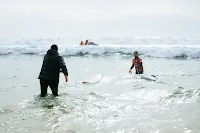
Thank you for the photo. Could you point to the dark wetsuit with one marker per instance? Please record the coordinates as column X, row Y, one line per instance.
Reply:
column 137, row 62
column 50, row 72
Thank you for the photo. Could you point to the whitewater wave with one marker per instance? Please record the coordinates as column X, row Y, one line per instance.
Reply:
column 107, row 40
column 126, row 51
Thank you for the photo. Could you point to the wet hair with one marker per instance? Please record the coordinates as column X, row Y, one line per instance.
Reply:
column 136, row 52
column 55, row 47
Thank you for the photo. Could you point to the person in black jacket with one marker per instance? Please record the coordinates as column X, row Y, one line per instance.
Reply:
column 52, row 65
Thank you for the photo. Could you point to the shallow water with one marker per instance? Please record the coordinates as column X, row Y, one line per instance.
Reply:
column 119, row 103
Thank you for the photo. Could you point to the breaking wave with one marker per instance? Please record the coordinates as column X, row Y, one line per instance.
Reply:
column 160, row 47
column 154, row 51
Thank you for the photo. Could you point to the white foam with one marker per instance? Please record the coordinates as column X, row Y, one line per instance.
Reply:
column 148, row 49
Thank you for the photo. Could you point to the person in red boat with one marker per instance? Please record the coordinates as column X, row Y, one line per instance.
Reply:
column 137, row 63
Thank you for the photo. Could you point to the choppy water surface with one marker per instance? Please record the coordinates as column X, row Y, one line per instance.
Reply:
column 114, row 103
column 152, row 47
column 119, row 103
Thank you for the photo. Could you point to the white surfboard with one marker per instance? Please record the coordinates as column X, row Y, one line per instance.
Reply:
column 149, row 78
column 93, row 80
column 145, row 77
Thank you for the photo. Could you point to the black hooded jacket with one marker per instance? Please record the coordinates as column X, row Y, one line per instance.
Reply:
column 52, row 65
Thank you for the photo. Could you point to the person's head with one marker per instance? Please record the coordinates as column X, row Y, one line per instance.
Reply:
column 86, row 42
column 82, row 43
column 55, row 47
column 136, row 54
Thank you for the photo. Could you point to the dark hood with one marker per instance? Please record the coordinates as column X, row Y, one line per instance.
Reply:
column 52, row 52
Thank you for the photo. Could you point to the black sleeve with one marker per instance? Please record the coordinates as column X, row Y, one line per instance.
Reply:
column 132, row 66
column 63, row 66
column 141, row 64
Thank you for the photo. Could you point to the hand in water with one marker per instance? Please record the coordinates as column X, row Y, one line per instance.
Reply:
column 66, row 78
column 130, row 71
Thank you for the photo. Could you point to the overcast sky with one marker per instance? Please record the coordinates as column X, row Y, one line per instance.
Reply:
column 99, row 18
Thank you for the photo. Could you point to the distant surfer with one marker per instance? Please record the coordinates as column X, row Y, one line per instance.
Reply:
column 82, row 43
column 52, row 65
column 87, row 43
column 137, row 62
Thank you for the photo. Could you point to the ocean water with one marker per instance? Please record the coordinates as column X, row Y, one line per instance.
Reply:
column 118, row 102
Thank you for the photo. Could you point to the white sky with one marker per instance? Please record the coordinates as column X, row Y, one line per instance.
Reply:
column 95, row 18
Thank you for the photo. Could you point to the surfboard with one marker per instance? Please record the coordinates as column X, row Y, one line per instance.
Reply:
column 94, row 80
column 149, row 78
column 145, row 77
column 92, row 43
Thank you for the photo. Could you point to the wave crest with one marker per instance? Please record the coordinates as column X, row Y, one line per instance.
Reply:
column 150, row 51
